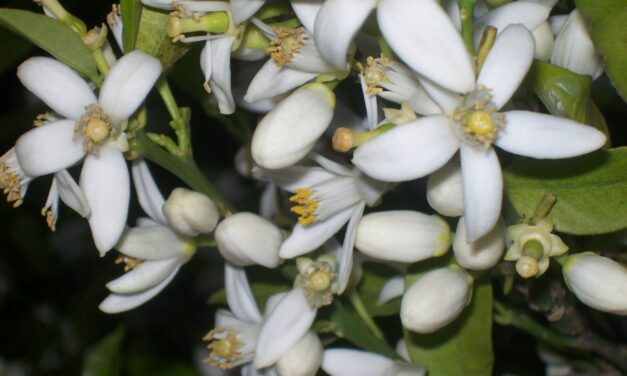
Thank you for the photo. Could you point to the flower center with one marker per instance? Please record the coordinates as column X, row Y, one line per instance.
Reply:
column 288, row 41
column 130, row 263
column 306, row 206
column 94, row 127
column 373, row 72
column 316, row 278
column 97, row 130
column 477, row 118
column 479, row 123
column 224, row 347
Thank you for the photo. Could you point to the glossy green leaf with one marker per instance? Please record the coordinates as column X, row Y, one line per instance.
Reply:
column 590, row 190
column 104, row 358
column 374, row 277
column 152, row 38
column 566, row 94
column 609, row 34
column 462, row 348
column 54, row 37
column 131, row 12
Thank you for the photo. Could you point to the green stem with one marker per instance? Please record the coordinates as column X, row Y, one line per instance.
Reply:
column 178, row 123
column 205, row 241
column 183, row 167
column 363, row 313
column 544, row 207
column 466, row 8
column 101, row 62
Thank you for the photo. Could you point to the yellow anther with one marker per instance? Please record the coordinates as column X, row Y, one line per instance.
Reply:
column 288, row 42
column 306, row 206
column 478, row 119
column 224, row 348
column 479, row 123
column 11, row 185
column 51, row 219
column 373, row 73
column 94, row 127
column 130, row 263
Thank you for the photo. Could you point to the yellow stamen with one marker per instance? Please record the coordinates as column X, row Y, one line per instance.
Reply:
column 51, row 219
column 373, row 73
column 316, row 279
column 288, row 42
column 224, row 348
column 10, row 185
column 94, row 126
column 130, row 263
column 306, row 206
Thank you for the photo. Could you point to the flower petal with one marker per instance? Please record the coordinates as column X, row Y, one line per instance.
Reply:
column 337, row 23
column 116, row 303
column 345, row 256
column 128, row 84
column 71, row 193
column 148, row 194
column 481, row 254
column 62, row 89
column 153, row 242
column 306, row 11
column 408, row 151
column 507, row 63
column 483, row 190
column 445, row 99
column 392, row 289
column 544, row 136
column 220, row 82
column 529, row 14
column 421, row 34
column 241, row 10
column 147, row 275
column 287, row 324
column 309, row 237
column 370, row 189
column 105, row 181
column 48, row 148
column 345, row 362
column 294, row 177
column 239, row 296
column 272, row 80
column 445, row 190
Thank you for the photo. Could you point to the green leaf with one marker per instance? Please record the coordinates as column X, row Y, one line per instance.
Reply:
column 131, row 11
column 348, row 325
column 462, row 348
column 566, row 94
column 374, row 277
column 54, row 37
column 104, row 357
column 590, row 190
column 152, row 38
column 609, row 34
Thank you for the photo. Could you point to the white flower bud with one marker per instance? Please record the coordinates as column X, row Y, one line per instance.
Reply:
column 402, row 235
column 190, row 213
column 445, row 190
column 543, row 36
column 481, row 254
column 303, row 359
column 288, row 132
column 435, row 299
column 574, row 49
column 598, row 282
column 248, row 239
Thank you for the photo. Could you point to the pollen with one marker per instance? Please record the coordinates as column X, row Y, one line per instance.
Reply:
column 288, row 42
column 306, row 206
column 11, row 185
column 224, row 347
column 51, row 218
column 130, row 263
column 94, row 127
column 373, row 73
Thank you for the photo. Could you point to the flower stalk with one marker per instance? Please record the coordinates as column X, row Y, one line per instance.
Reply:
column 359, row 307
column 466, row 8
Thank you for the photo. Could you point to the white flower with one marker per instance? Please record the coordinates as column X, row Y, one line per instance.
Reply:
column 346, row 362
column 445, row 190
column 190, row 213
column 215, row 63
column 303, row 359
column 325, row 200
column 248, row 239
column 481, row 254
column 598, row 282
column 402, row 235
column 436, row 299
column 471, row 124
column 152, row 252
column 93, row 129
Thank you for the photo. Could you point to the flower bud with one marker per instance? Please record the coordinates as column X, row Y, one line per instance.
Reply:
column 435, row 299
column 445, row 190
column 481, row 254
column 303, row 359
column 288, row 132
column 190, row 213
column 543, row 36
column 574, row 49
column 248, row 239
column 402, row 235
column 597, row 281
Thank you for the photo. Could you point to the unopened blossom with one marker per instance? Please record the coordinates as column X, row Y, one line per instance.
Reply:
column 303, row 359
column 348, row 362
column 190, row 213
column 483, row 253
column 90, row 128
column 470, row 123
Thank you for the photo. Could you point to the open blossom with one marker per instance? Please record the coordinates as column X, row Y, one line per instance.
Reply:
column 91, row 128
column 471, row 123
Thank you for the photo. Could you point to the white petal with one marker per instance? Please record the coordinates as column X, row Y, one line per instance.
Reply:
column 220, row 82
column 128, row 84
column 155, row 242
column 306, row 238
column 224, row 317
column 147, row 275
column 241, row 10
column 271, row 81
column 105, row 181
column 306, row 11
column 445, row 190
column 545, row 136
column 481, row 254
column 483, row 190
column 345, row 257
column 330, row 165
column 269, row 202
column 507, row 63
column 392, row 289
column 287, row 324
column 337, row 23
column 529, row 14
column 294, row 177
column 345, row 362
column 452, row 9
column 205, row 61
column 148, row 194
column 370, row 102
column 408, row 151
column 543, row 37
column 447, row 100
column 370, row 189
column 239, row 296
column 48, row 148
column 422, row 35
column 57, row 85
column 303, row 359
column 71, row 193
column 116, row 303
